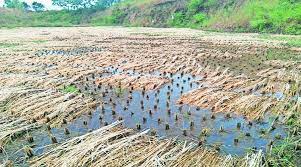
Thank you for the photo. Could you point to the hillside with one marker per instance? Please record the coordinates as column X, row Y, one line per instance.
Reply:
column 151, row 13
column 268, row 16
column 275, row 16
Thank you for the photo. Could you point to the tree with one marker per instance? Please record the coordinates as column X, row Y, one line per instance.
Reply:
column 84, row 4
column 26, row 7
column 13, row 4
column 74, row 4
column 105, row 3
column 38, row 7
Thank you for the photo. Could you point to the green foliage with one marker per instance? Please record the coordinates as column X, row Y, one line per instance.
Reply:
column 103, row 21
column 288, row 151
column 178, row 19
column 276, row 16
column 281, row 16
column 61, row 18
column 73, row 4
column 16, row 4
column 294, row 43
column 102, row 4
column 210, row 3
column 38, row 7
column 13, row 4
column 70, row 89
column 115, row 18
column 194, row 6
column 199, row 18
column 53, row 18
column 25, row 6
column 84, row 4
column 265, row 16
column 191, row 18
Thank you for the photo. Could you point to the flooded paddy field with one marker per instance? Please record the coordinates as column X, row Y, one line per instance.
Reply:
column 143, row 97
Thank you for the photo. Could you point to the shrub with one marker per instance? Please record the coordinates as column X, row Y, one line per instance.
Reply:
column 199, row 18
column 178, row 19
column 194, row 5
column 278, row 16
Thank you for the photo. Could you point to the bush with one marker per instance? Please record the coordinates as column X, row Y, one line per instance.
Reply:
column 278, row 16
column 199, row 18
column 194, row 6
column 191, row 17
column 114, row 18
column 178, row 19
column 273, row 16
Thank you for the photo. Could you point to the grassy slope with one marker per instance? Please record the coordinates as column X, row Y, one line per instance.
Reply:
column 153, row 13
column 16, row 18
column 276, row 16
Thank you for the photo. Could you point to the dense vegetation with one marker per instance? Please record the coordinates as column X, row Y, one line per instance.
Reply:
column 275, row 16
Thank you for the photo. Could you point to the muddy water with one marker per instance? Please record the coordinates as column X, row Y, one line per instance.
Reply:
column 168, row 119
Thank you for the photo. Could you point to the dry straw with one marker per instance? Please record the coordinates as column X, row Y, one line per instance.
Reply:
column 115, row 146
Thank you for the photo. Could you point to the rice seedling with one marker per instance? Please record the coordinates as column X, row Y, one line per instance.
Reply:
column 166, row 126
column 138, row 126
column 238, row 125
column 66, row 131
column 221, row 129
column 144, row 119
column 53, row 139
column 29, row 139
column 28, row 151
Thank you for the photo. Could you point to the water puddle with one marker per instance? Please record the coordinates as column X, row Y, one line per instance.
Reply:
column 159, row 111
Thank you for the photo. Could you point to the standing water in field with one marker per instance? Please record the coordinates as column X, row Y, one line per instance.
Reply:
column 159, row 110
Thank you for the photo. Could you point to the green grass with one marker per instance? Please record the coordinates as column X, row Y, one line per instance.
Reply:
column 115, row 18
column 39, row 41
column 276, row 54
column 270, row 16
column 291, row 41
column 294, row 43
column 135, row 3
column 62, row 18
column 288, row 151
column 119, row 91
column 8, row 45
column 283, row 54
column 70, row 89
